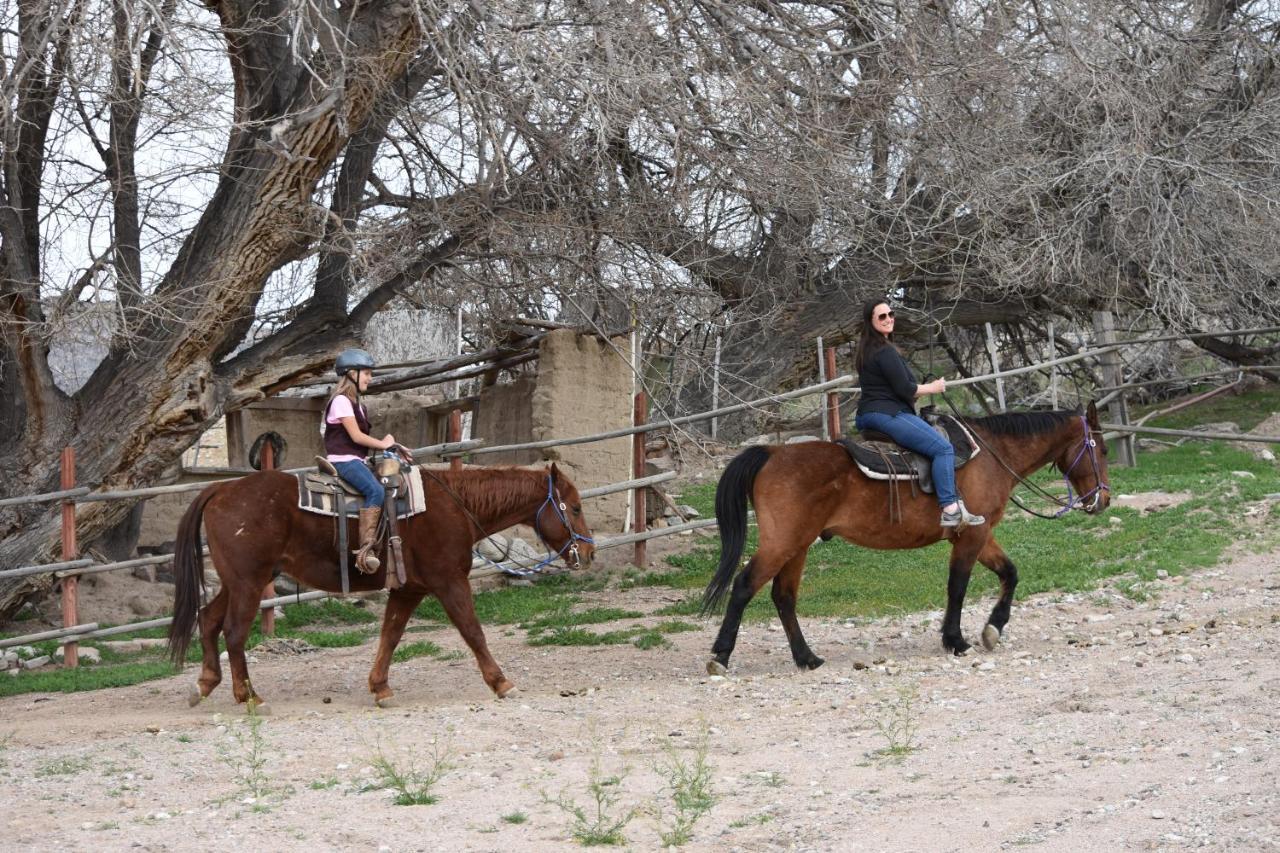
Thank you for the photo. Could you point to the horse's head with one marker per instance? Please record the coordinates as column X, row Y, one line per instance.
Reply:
column 1084, row 462
column 560, row 521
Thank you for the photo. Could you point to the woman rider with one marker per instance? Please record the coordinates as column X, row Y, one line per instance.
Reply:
column 887, row 405
column 346, row 443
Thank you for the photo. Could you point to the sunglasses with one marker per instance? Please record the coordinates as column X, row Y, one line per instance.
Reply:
column 885, row 316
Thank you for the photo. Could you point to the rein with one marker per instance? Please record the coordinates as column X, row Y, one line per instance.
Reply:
column 553, row 499
column 1089, row 444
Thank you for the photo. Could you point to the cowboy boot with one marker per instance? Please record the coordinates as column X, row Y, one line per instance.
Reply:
column 366, row 560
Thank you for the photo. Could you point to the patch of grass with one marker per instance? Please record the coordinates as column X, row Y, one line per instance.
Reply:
column 688, row 784
column 897, row 720
column 329, row 639
column 84, row 677
column 1248, row 410
column 412, row 786
column 601, row 822
column 416, row 649
column 68, row 766
column 749, row 820
column 330, row 611
column 324, row 784
column 639, row 636
column 514, row 605
column 246, row 754
column 515, row 817
column 567, row 619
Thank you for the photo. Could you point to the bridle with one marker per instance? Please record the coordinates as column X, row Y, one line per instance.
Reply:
column 1089, row 446
column 571, row 544
column 557, row 504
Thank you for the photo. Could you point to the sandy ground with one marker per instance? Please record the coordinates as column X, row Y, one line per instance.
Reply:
column 1099, row 723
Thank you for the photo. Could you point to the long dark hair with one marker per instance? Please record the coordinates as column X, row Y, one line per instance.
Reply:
column 870, row 339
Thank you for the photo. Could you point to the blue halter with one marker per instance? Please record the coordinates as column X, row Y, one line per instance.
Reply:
column 571, row 544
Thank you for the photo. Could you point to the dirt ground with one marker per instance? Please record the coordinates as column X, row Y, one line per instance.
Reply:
column 1100, row 723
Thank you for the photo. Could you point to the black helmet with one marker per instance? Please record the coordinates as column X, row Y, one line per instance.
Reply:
column 353, row 359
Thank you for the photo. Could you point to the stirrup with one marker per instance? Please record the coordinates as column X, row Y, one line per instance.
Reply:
column 961, row 517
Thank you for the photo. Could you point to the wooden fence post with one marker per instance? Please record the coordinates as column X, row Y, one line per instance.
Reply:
column 822, row 378
column 455, row 435
column 1053, row 371
column 639, row 517
column 1113, row 375
column 71, row 584
column 268, row 463
column 833, row 398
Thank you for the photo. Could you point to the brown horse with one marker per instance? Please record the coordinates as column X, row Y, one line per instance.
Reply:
column 255, row 530
column 803, row 491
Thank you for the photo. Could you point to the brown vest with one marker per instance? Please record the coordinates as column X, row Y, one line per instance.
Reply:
column 337, row 442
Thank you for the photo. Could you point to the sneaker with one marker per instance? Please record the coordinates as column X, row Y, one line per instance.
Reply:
column 961, row 517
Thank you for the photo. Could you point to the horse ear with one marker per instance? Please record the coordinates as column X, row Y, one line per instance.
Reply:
column 1092, row 413
column 554, row 472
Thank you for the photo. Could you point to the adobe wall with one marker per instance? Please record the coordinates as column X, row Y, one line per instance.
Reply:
column 504, row 415
column 585, row 386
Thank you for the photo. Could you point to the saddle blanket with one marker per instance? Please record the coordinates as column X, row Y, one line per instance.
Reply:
column 881, row 460
column 319, row 493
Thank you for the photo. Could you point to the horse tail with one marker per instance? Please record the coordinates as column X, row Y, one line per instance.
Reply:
column 188, row 576
column 736, row 484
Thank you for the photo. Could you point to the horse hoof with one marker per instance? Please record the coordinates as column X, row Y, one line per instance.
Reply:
column 195, row 697
column 385, row 701
column 816, row 662
column 990, row 636
column 714, row 667
column 257, row 708
column 510, row 693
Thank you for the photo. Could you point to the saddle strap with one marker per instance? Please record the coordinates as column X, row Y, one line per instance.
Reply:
column 340, row 500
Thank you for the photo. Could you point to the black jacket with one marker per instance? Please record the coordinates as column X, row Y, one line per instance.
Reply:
column 888, row 385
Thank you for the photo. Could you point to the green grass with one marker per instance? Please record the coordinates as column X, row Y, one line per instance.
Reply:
column 641, row 637
column 1248, row 410
column 84, row 678
column 417, row 649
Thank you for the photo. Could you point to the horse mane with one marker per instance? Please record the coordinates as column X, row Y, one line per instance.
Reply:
column 1023, row 423
column 490, row 492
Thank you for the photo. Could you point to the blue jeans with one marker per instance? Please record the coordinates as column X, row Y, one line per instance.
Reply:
column 358, row 474
column 914, row 434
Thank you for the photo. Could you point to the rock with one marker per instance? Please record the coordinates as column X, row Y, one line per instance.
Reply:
column 139, row 605
column 1244, row 475
column 688, row 511
column 1156, row 632
column 757, row 440
column 36, row 662
column 1157, row 815
column 286, row 585
column 86, row 654
column 494, row 547
column 658, row 465
column 1162, row 574
column 802, row 439
column 1218, row 426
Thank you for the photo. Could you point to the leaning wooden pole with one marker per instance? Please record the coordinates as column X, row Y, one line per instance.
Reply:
column 639, row 517
column 269, row 591
column 71, row 583
column 833, row 397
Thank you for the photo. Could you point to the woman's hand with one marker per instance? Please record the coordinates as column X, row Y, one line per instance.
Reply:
column 937, row 386
column 388, row 442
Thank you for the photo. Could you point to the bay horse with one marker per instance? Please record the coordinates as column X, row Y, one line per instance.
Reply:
column 805, row 491
column 256, row 530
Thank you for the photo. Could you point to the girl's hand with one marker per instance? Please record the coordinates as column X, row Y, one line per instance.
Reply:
column 388, row 442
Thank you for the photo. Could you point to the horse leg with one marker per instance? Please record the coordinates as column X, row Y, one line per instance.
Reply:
column 963, row 554
column 460, row 607
column 400, row 606
column 756, row 574
column 241, row 609
column 211, row 616
column 994, row 558
column 785, row 589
